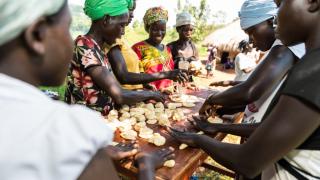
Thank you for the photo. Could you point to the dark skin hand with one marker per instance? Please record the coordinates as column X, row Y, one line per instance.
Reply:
column 243, row 130
column 120, row 70
column 122, row 150
column 101, row 165
column 106, row 81
column 262, row 81
column 149, row 162
column 268, row 143
column 225, row 83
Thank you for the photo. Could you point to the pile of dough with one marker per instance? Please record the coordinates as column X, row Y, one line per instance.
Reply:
column 113, row 115
column 145, row 133
column 178, row 115
column 169, row 163
column 129, row 135
column 163, row 120
column 124, row 116
column 159, row 105
column 152, row 121
column 139, row 125
column 215, row 119
column 157, row 139
column 188, row 104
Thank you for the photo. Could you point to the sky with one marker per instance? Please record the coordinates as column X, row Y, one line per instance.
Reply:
column 230, row 7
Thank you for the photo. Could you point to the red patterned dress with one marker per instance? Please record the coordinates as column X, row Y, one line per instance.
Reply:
column 152, row 60
column 80, row 87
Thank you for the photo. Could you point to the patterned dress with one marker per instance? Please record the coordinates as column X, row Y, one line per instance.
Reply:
column 153, row 60
column 80, row 88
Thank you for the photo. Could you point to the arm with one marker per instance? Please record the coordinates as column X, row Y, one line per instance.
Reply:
column 100, row 167
column 225, row 83
column 263, row 80
column 106, row 81
column 270, row 142
column 243, row 130
column 120, row 70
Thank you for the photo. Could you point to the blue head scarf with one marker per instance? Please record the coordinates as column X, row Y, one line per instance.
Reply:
column 254, row 12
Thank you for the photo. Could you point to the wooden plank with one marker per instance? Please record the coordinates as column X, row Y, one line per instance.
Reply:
column 187, row 160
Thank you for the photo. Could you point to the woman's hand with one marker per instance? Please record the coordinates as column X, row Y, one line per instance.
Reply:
column 205, row 109
column 156, row 158
column 178, row 75
column 201, row 123
column 156, row 96
column 184, row 137
column 122, row 150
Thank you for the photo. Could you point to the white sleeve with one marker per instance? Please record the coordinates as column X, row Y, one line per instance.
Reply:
column 299, row 50
column 244, row 62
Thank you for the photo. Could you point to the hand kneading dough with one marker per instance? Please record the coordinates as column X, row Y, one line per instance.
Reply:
column 215, row 120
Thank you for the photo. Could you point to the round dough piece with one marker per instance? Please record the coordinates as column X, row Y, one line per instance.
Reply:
column 214, row 120
column 129, row 135
column 169, row 163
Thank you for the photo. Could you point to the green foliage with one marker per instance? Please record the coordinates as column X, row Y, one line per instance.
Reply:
column 80, row 22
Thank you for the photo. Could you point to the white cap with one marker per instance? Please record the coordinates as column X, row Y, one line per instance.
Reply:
column 184, row 18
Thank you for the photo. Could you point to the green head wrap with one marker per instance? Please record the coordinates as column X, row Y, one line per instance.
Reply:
column 96, row 9
column 130, row 4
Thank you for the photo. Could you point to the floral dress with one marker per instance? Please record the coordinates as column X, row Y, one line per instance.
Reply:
column 152, row 60
column 80, row 87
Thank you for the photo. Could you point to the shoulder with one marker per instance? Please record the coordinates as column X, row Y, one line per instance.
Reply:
column 139, row 44
column 172, row 44
column 84, row 41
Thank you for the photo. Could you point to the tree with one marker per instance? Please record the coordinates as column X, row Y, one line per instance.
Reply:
column 200, row 15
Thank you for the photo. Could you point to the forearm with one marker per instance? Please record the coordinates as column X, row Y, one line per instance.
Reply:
column 132, row 97
column 243, row 130
column 228, row 155
column 146, row 170
column 230, row 110
column 235, row 96
column 142, row 78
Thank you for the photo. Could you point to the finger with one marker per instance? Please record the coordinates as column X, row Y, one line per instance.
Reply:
column 169, row 157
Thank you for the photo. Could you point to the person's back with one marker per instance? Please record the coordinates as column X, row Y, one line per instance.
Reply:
column 242, row 62
column 45, row 139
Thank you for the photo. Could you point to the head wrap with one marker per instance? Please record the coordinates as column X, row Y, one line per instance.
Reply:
column 254, row 12
column 130, row 4
column 184, row 19
column 153, row 15
column 96, row 9
column 16, row 16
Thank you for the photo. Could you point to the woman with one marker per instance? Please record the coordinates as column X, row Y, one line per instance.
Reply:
column 286, row 145
column 53, row 133
column 184, row 50
column 91, row 81
column 125, row 64
column 243, row 64
column 155, row 57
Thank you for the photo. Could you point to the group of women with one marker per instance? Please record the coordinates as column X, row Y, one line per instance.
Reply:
column 45, row 139
column 106, row 71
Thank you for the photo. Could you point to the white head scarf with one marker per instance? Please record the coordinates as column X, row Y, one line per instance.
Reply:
column 254, row 12
column 184, row 19
column 17, row 15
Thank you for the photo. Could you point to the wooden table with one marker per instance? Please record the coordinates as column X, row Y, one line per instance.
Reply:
column 187, row 160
